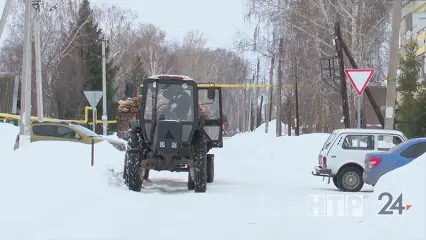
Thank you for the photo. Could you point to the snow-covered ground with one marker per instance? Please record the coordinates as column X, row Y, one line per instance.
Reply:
column 48, row 190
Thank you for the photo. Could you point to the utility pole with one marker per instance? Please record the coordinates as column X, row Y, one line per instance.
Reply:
column 104, row 94
column 256, row 106
column 39, row 80
column 393, row 65
column 269, row 108
column 25, row 124
column 259, row 114
column 5, row 14
column 279, row 92
column 243, row 115
column 250, row 104
column 343, row 88
column 244, row 111
column 296, row 95
column 289, row 115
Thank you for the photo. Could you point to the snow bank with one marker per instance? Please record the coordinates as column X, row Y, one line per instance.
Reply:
column 272, row 128
column 277, row 159
column 410, row 180
column 44, row 180
column 49, row 191
column 114, row 137
column 8, row 134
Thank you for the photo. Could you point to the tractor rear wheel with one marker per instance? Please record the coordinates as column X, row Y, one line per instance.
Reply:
column 191, row 184
column 200, row 162
column 210, row 168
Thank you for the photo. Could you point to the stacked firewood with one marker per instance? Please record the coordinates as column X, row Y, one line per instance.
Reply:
column 126, row 111
column 130, row 105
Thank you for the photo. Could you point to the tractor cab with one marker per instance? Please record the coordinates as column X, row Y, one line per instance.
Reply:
column 174, row 106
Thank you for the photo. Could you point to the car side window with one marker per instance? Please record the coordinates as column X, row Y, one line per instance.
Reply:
column 45, row 131
column 386, row 142
column 358, row 142
column 65, row 132
column 415, row 150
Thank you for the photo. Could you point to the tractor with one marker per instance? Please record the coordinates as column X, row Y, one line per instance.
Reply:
column 179, row 122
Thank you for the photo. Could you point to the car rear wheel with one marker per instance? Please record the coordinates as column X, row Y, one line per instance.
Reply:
column 336, row 183
column 349, row 179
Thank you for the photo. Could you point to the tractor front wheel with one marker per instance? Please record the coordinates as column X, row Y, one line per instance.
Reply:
column 134, row 179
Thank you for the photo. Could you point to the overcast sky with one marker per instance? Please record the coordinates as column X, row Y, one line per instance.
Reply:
column 219, row 20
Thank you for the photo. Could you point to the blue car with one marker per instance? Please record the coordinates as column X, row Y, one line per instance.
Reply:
column 378, row 164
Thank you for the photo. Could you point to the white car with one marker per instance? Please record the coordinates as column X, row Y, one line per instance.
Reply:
column 343, row 154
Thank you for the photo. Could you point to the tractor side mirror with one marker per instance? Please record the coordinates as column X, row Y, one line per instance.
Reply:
column 211, row 93
column 129, row 90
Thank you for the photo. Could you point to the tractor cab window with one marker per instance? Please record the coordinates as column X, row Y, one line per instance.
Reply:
column 174, row 102
column 210, row 108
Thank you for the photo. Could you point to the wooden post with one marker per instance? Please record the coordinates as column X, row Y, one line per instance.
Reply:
column 343, row 89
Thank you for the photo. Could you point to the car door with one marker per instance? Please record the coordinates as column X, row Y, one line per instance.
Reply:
column 43, row 133
column 212, row 112
column 387, row 141
column 330, row 151
column 411, row 153
column 355, row 146
column 65, row 133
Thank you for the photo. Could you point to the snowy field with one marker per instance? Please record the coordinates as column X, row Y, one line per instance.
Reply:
column 49, row 191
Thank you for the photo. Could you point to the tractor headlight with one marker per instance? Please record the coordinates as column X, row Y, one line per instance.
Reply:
column 174, row 145
column 162, row 144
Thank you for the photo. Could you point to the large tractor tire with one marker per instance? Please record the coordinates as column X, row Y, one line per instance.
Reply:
column 125, row 169
column 134, row 180
column 210, row 168
column 200, row 162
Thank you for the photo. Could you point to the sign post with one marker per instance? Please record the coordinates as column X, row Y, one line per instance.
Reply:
column 93, row 97
column 359, row 79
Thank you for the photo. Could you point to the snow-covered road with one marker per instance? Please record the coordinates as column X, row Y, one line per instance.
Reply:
column 49, row 191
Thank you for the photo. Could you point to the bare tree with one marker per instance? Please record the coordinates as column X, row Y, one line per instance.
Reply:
column 307, row 26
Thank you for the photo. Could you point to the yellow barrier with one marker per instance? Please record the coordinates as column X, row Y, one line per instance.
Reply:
column 226, row 85
column 86, row 117
column 85, row 121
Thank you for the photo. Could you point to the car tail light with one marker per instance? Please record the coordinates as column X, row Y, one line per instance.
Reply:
column 17, row 138
column 373, row 162
column 324, row 161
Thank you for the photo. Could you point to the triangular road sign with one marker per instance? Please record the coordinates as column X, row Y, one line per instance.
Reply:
column 359, row 78
column 93, row 97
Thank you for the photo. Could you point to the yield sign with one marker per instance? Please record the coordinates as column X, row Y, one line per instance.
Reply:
column 359, row 78
column 93, row 97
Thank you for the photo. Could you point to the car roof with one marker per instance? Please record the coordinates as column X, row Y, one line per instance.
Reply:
column 366, row 130
column 47, row 123
column 420, row 139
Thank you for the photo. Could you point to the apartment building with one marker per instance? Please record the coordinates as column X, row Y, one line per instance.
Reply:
column 413, row 25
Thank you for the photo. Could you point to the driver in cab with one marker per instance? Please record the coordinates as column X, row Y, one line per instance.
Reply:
column 178, row 105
